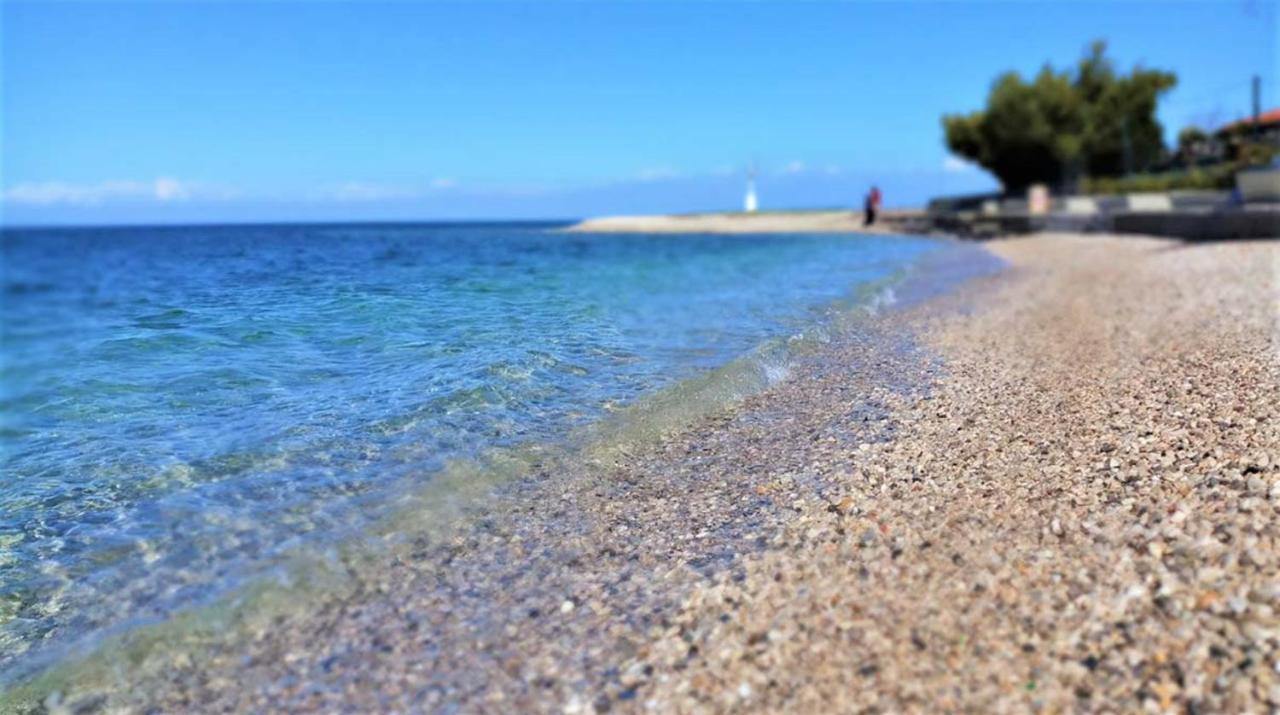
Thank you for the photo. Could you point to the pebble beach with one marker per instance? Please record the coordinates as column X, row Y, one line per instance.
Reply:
column 1056, row 489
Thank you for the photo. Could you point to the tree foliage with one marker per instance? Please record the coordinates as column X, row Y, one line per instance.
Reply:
column 1064, row 123
column 1190, row 138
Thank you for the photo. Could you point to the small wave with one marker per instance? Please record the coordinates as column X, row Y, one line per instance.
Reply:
column 883, row 299
column 171, row 319
column 775, row 373
column 16, row 288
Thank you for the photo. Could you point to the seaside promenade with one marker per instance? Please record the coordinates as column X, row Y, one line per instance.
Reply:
column 1076, row 509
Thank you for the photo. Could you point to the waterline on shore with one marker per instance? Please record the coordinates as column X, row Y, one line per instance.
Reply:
column 427, row 514
column 162, row 438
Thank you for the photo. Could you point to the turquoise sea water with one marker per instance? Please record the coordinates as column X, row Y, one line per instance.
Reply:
column 180, row 405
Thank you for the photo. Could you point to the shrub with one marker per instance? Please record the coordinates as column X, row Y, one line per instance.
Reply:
column 1217, row 177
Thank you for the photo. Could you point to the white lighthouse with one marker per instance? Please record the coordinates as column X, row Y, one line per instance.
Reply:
column 750, row 203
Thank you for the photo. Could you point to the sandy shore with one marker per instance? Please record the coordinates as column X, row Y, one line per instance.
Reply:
column 766, row 222
column 1057, row 490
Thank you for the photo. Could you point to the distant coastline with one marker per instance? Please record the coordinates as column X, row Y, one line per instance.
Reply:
column 823, row 221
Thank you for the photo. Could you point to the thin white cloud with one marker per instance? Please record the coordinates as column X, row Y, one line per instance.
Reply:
column 657, row 173
column 360, row 191
column 797, row 166
column 956, row 165
column 518, row 191
column 165, row 190
column 162, row 190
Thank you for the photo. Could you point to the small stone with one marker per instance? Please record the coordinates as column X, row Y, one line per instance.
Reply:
column 1206, row 600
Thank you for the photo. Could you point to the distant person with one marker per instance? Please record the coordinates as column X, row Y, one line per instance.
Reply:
column 871, row 206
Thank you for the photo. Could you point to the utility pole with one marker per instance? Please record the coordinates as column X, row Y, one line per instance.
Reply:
column 1257, row 106
column 1126, row 145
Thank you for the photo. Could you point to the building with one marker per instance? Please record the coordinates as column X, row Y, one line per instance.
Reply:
column 1266, row 131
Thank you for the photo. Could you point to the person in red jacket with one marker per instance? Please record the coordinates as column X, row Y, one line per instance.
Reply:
column 871, row 206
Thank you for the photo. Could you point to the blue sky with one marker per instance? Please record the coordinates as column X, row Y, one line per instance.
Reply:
column 237, row 111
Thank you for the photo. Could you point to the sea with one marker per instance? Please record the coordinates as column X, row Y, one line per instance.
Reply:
column 182, row 407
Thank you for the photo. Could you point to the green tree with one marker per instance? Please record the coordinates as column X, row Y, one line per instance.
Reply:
column 1064, row 123
column 1190, row 138
column 1192, row 141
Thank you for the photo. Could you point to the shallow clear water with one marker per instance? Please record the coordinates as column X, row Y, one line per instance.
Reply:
column 177, row 405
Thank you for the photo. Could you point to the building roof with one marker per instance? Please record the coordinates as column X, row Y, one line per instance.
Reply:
column 1271, row 116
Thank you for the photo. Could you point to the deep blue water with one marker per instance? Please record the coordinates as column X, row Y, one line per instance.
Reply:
column 177, row 405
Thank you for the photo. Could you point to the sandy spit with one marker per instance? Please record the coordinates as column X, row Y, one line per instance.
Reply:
column 766, row 222
column 1063, row 494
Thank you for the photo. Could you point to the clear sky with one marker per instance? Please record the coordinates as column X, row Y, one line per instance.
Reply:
column 237, row 111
